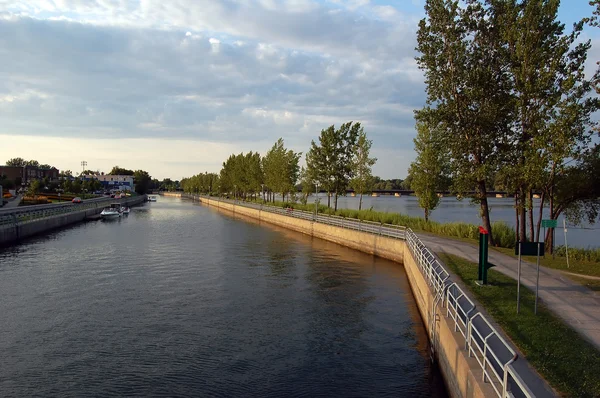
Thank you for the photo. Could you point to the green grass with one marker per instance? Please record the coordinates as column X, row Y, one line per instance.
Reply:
column 576, row 266
column 568, row 362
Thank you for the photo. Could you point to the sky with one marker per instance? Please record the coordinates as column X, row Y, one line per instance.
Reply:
column 175, row 87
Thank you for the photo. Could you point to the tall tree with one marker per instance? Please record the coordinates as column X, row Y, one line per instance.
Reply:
column 331, row 161
column 281, row 169
column 549, row 93
column 429, row 168
column 142, row 181
column 467, row 91
column 361, row 166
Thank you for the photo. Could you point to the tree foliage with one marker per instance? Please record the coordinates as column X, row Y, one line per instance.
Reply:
column 507, row 86
column 242, row 174
column 361, row 166
column 429, row 168
column 116, row 170
column 142, row 181
column 206, row 183
column 16, row 162
column 281, row 169
column 330, row 161
column 467, row 91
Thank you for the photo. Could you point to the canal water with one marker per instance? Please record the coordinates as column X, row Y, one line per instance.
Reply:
column 179, row 300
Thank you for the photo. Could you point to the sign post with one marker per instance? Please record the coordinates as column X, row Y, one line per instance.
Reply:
column 537, row 281
column 549, row 224
column 484, row 264
column 519, row 278
column 528, row 249
column 566, row 244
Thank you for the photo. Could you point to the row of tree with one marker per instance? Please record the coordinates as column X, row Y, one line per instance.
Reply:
column 508, row 100
column 20, row 162
column 340, row 160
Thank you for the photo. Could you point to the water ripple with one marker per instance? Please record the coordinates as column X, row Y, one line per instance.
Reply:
column 179, row 300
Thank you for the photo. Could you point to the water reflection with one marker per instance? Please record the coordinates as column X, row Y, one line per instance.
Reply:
column 178, row 299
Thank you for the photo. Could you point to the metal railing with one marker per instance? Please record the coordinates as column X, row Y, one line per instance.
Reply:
column 482, row 340
column 389, row 230
column 31, row 213
column 491, row 351
column 459, row 308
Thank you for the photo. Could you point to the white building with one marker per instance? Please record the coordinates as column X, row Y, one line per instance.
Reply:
column 113, row 182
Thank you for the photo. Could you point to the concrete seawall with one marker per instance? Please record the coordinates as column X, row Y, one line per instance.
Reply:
column 463, row 376
column 12, row 233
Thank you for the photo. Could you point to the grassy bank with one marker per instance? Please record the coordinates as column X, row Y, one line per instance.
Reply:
column 584, row 264
column 504, row 235
column 567, row 361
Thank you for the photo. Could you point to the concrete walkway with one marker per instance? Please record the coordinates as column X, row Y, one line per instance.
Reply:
column 577, row 305
column 13, row 202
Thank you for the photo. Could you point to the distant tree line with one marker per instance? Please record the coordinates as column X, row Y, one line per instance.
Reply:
column 341, row 159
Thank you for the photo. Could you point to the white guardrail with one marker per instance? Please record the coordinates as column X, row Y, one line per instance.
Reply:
column 31, row 213
column 482, row 340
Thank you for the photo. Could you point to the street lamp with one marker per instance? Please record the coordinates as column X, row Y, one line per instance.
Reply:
column 235, row 193
column 262, row 192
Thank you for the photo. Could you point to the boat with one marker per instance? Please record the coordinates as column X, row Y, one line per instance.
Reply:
column 151, row 198
column 110, row 212
column 125, row 210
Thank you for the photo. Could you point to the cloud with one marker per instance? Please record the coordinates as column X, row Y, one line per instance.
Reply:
column 225, row 72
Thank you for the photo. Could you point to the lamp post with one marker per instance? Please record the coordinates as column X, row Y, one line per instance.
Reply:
column 262, row 192
column 235, row 193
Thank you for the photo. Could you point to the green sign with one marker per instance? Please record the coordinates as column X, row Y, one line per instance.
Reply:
column 549, row 223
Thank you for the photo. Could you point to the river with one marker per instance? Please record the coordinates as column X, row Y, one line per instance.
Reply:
column 180, row 300
column 450, row 210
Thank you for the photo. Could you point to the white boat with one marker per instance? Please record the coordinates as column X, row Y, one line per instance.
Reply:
column 125, row 210
column 110, row 212
column 151, row 198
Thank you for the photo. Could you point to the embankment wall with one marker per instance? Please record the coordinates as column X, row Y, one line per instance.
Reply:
column 12, row 233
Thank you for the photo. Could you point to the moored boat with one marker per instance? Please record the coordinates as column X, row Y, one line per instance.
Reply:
column 125, row 210
column 110, row 212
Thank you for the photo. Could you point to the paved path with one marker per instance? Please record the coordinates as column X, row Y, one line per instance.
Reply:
column 574, row 303
column 13, row 203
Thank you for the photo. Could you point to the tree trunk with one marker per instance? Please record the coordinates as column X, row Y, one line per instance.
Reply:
column 328, row 199
column 426, row 214
column 360, row 202
column 485, row 210
column 530, row 215
column 335, row 202
column 540, row 216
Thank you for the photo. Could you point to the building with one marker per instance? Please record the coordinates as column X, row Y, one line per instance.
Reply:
column 113, row 182
column 24, row 175
column 13, row 173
